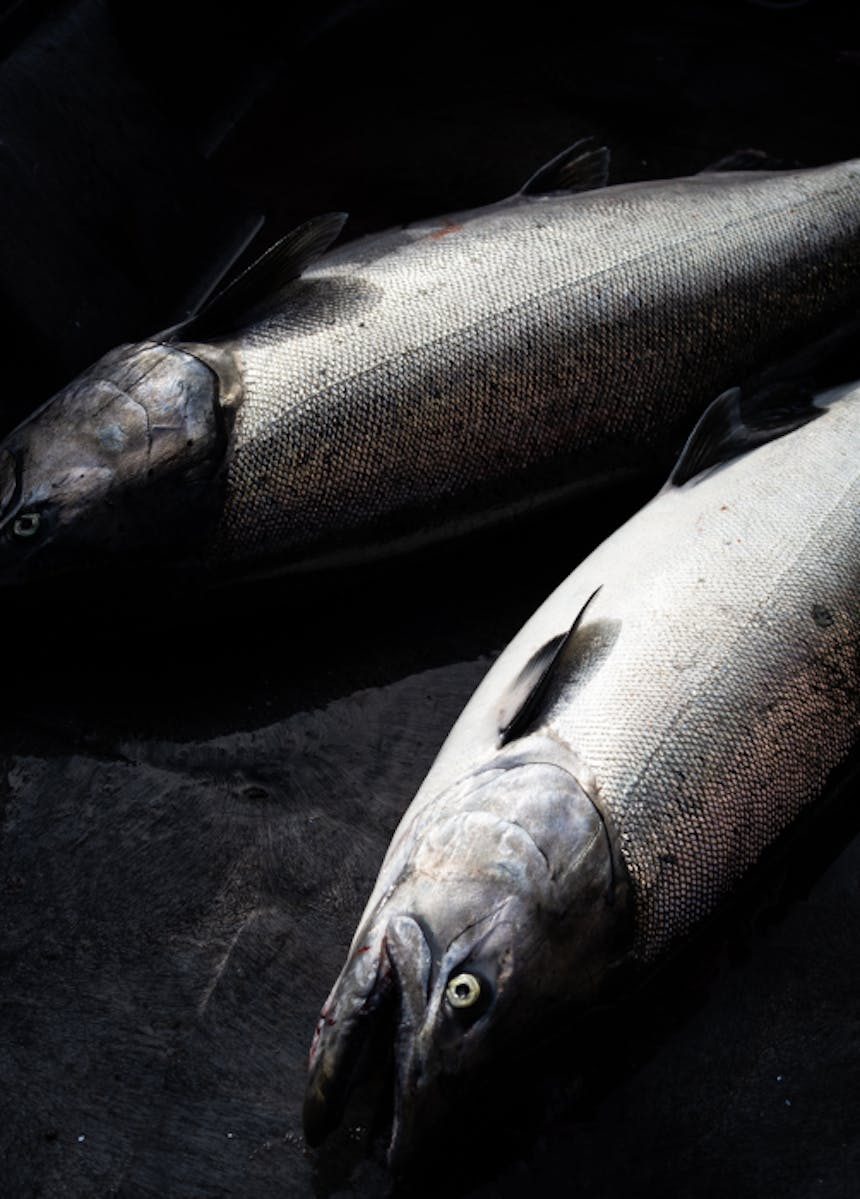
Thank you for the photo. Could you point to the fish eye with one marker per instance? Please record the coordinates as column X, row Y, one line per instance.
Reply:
column 26, row 525
column 463, row 991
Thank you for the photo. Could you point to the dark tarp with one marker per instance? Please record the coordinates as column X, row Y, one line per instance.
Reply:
column 199, row 791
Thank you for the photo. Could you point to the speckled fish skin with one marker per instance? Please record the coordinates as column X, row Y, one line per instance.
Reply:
column 424, row 381
column 425, row 378
column 708, row 696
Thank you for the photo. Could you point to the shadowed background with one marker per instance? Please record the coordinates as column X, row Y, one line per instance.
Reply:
column 200, row 787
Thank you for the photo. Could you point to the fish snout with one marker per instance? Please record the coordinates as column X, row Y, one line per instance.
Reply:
column 323, row 1105
column 349, row 1034
column 346, row 1022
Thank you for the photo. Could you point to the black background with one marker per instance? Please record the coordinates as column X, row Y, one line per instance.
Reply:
column 200, row 786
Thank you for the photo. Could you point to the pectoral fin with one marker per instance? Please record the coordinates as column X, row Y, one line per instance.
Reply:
column 531, row 685
column 264, row 279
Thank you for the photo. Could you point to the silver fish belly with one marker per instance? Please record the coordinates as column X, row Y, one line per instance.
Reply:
column 343, row 404
column 654, row 728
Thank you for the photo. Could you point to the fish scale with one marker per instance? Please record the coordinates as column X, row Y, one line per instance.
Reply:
column 328, row 407
column 419, row 368
column 652, row 731
column 727, row 698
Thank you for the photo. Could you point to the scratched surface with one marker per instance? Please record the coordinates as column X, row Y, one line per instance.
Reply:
column 197, row 790
column 207, row 891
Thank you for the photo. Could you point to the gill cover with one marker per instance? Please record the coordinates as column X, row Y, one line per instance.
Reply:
column 511, row 904
column 121, row 459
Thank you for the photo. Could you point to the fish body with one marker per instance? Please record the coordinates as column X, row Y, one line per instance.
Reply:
column 422, row 381
column 653, row 729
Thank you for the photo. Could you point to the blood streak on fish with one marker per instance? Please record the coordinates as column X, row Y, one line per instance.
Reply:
column 451, row 227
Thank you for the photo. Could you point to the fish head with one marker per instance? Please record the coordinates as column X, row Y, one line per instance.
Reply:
column 117, row 461
column 508, row 910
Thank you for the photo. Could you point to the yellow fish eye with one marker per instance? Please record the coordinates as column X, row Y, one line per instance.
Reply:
column 464, row 990
column 27, row 524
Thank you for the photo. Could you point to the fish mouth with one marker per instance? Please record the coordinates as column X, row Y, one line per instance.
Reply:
column 382, row 1020
column 383, row 989
column 345, row 1028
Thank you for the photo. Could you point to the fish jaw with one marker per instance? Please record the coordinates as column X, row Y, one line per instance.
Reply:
column 121, row 460
column 344, row 1025
column 492, row 924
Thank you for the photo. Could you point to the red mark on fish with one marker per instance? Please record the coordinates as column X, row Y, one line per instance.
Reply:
column 448, row 227
column 324, row 1021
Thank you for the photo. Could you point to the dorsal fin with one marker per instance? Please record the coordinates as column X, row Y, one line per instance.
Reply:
column 532, row 683
column 581, row 167
column 744, row 160
column 725, row 431
column 264, row 278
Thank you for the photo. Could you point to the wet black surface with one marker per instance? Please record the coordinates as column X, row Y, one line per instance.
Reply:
column 200, row 786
